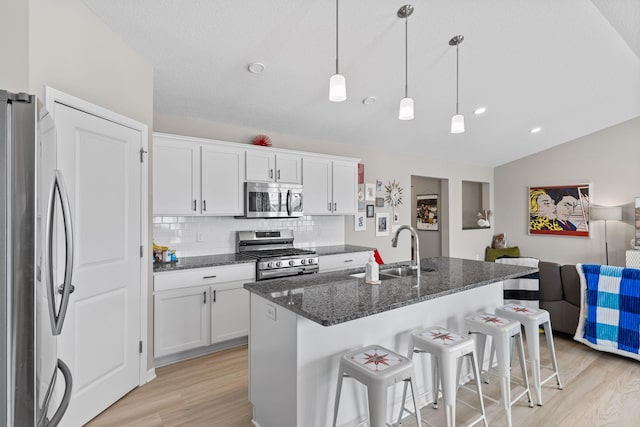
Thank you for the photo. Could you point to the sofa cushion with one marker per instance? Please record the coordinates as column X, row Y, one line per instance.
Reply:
column 571, row 284
column 550, row 281
column 492, row 254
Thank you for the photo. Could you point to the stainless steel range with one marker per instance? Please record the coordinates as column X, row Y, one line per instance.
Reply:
column 275, row 254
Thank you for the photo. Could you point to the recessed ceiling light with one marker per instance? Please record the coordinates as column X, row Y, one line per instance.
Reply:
column 480, row 110
column 256, row 67
column 535, row 130
column 369, row 100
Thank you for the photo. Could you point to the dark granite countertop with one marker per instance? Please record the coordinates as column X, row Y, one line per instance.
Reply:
column 337, row 297
column 340, row 249
column 201, row 262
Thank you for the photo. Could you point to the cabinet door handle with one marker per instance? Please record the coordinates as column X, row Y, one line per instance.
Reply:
column 204, row 205
column 278, row 174
column 209, row 277
column 214, row 296
column 194, row 205
column 335, row 206
column 271, row 173
column 204, row 297
column 348, row 260
column 329, row 206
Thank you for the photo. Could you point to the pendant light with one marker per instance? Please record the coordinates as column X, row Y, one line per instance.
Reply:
column 457, row 121
column 406, row 103
column 337, row 83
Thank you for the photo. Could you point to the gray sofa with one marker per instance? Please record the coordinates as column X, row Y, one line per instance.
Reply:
column 560, row 295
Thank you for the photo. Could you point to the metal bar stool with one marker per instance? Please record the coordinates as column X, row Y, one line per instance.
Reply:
column 531, row 319
column 502, row 330
column 447, row 349
column 377, row 368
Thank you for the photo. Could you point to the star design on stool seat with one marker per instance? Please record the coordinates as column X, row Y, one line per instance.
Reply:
column 492, row 319
column 520, row 309
column 376, row 359
column 442, row 336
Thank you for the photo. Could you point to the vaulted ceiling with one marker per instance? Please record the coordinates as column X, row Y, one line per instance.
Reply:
column 570, row 67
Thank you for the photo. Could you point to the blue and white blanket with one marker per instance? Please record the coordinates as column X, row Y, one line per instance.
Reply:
column 610, row 309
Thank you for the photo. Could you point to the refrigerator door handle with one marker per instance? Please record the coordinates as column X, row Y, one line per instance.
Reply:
column 58, row 188
column 66, row 398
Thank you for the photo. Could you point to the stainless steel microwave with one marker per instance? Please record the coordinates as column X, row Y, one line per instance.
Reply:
column 272, row 200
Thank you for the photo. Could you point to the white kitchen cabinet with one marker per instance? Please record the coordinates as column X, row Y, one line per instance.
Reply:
column 343, row 261
column 330, row 186
column 193, row 176
column 265, row 166
column 181, row 320
column 199, row 307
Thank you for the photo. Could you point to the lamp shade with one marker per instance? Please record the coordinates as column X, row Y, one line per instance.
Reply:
column 406, row 109
column 337, row 88
column 457, row 123
column 605, row 213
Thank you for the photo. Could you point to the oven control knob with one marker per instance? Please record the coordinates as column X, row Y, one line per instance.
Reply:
column 303, row 261
column 269, row 265
column 292, row 262
column 278, row 264
column 311, row 261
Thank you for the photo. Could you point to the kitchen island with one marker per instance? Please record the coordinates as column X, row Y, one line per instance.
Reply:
column 300, row 326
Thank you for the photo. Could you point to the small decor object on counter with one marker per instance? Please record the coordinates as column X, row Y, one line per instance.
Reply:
column 427, row 212
column 394, row 194
column 261, row 140
column 360, row 223
column 371, row 274
column 382, row 224
column 483, row 218
column 499, row 241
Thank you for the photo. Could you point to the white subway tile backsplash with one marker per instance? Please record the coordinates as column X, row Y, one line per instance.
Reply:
column 219, row 233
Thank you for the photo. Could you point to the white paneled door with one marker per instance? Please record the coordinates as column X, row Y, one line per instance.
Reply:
column 100, row 161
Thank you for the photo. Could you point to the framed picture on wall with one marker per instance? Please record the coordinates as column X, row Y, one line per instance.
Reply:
column 382, row 224
column 561, row 210
column 369, row 192
column 360, row 222
column 370, row 211
column 427, row 212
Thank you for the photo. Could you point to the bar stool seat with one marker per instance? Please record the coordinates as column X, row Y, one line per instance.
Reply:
column 502, row 330
column 447, row 349
column 377, row 368
column 531, row 320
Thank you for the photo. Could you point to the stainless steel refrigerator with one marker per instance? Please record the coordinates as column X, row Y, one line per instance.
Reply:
column 36, row 266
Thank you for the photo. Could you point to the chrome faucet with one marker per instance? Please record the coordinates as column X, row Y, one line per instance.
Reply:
column 415, row 252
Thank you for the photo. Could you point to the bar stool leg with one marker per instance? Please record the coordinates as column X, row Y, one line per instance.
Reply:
column 415, row 402
column 377, row 406
column 476, row 374
column 523, row 368
column 502, row 354
column 481, row 340
column 435, row 377
column 549, row 335
column 448, row 373
column 338, row 391
column 533, row 346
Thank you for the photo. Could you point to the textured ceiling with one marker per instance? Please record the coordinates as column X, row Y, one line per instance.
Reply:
column 571, row 67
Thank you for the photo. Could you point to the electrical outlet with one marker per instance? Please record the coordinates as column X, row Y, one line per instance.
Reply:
column 271, row 312
column 199, row 237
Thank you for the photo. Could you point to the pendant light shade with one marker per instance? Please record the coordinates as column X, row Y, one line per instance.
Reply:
column 337, row 88
column 406, row 103
column 337, row 83
column 457, row 121
column 406, row 109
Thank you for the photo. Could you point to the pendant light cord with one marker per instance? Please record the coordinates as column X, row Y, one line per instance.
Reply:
column 457, row 75
column 337, row 36
column 406, row 57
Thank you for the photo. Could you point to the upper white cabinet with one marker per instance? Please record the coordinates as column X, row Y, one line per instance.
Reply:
column 264, row 166
column 192, row 176
column 330, row 186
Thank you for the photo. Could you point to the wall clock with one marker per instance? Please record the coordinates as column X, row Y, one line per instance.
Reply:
column 394, row 194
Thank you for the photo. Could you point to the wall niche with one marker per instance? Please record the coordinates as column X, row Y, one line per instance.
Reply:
column 475, row 198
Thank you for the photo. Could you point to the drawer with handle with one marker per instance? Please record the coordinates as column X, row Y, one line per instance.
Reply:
column 203, row 276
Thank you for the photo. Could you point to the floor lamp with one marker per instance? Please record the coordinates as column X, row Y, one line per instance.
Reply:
column 606, row 213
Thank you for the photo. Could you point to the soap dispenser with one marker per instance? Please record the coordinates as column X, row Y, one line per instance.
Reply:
column 371, row 271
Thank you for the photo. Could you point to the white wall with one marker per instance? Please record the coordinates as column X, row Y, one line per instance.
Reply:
column 607, row 159
column 379, row 165
column 14, row 45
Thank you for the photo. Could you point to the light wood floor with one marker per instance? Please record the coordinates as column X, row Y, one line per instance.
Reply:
column 600, row 389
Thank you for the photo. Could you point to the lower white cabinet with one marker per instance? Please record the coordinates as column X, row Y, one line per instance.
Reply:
column 343, row 261
column 199, row 307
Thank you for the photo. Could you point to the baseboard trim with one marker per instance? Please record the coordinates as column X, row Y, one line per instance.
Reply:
column 201, row 351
